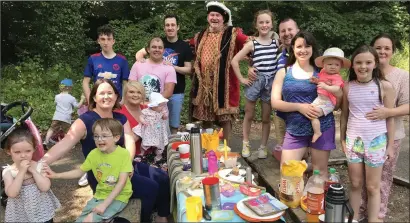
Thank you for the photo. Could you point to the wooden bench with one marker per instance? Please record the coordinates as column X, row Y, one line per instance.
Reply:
column 132, row 212
column 269, row 177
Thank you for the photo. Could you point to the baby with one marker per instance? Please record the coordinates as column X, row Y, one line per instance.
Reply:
column 329, row 83
column 153, row 127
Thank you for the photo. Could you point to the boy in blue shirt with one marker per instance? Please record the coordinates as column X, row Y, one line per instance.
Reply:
column 106, row 64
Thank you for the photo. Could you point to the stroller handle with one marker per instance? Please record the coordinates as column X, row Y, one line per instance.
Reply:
column 23, row 105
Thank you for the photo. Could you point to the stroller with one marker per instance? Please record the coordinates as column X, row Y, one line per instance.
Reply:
column 8, row 124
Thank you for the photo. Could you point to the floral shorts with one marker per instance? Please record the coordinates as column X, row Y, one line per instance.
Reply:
column 374, row 156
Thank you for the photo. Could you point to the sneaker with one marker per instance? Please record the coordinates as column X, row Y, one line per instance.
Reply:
column 262, row 153
column 83, row 180
column 246, row 150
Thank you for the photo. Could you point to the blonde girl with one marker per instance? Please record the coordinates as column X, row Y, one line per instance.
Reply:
column 263, row 52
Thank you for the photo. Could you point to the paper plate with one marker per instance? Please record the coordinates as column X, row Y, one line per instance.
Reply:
column 247, row 214
column 240, row 179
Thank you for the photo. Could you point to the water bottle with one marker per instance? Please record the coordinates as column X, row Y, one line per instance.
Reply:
column 315, row 197
column 196, row 151
column 332, row 179
column 212, row 162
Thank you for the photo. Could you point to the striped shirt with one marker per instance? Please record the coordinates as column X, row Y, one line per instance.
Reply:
column 264, row 57
column 362, row 99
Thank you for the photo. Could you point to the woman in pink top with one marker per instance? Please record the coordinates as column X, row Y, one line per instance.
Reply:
column 366, row 143
column 385, row 47
column 154, row 74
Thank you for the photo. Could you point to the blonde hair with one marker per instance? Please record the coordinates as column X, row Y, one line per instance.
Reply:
column 260, row 12
column 135, row 84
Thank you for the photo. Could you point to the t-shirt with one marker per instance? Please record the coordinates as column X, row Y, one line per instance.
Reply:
column 64, row 107
column 106, row 169
column 153, row 76
column 282, row 59
column 329, row 79
column 178, row 53
column 115, row 69
column 400, row 80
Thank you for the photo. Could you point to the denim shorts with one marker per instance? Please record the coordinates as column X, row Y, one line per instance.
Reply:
column 261, row 88
column 175, row 106
column 114, row 208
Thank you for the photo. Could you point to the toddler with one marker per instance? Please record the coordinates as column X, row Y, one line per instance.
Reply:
column 65, row 103
column 153, row 126
column 329, row 83
column 30, row 198
column 111, row 165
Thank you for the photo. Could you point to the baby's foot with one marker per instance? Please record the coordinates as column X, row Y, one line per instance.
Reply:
column 316, row 136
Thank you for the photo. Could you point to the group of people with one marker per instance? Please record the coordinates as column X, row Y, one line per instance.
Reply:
column 283, row 73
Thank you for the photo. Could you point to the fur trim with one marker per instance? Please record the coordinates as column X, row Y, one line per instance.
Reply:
column 222, row 6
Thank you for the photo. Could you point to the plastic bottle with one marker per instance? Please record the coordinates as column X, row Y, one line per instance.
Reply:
column 212, row 162
column 332, row 179
column 315, row 197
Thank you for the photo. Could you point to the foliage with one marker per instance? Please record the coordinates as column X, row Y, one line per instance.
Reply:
column 22, row 82
column 44, row 42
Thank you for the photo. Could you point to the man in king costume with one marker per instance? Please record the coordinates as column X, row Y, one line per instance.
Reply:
column 215, row 91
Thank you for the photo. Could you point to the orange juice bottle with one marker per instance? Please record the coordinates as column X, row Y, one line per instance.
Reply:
column 315, row 197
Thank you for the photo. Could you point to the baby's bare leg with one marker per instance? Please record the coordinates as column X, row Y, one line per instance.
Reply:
column 316, row 126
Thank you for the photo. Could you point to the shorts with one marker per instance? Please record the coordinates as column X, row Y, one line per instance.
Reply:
column 325, row 142
column 57, row 126
column 261, row 88
column 324, row 103
column 175, row 106
column 374, row 156
column 114, row 208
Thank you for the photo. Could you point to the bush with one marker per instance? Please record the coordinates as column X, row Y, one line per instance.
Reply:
column 30, row 82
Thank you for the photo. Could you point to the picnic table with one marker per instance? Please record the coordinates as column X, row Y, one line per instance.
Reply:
column 178, row 207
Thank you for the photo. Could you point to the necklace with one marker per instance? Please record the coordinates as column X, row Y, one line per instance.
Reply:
column 364, row 82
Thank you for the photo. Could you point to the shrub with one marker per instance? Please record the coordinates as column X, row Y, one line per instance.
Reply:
column 30, row 82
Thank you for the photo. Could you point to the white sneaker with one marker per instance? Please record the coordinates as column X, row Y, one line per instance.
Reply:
column 246, row 150
column 262, row 153
column 83, row 180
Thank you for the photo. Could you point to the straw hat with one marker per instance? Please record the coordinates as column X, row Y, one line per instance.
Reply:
column 336, row 53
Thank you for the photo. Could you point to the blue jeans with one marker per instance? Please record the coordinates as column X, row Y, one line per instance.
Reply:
column 175, row 106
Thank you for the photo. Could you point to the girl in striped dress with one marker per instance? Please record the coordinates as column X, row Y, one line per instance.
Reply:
column 366, row 143
column 263, row 52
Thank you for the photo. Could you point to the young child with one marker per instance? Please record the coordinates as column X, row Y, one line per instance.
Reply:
column 30, row 198
column 111, row 165
column 153, row 126
column 329, row 83
column 263, row 53
column 366, row 143
column 65, row 103
column 83, row 108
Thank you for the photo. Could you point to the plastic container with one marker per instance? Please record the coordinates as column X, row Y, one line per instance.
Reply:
column 212, row 162
column 332, row 179
column 315, row 197
column 291, row 182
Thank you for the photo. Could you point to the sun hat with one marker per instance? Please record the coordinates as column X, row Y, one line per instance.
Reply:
column 221, row 9
column 156, row 99
column 333, row 52
column 67, row 82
